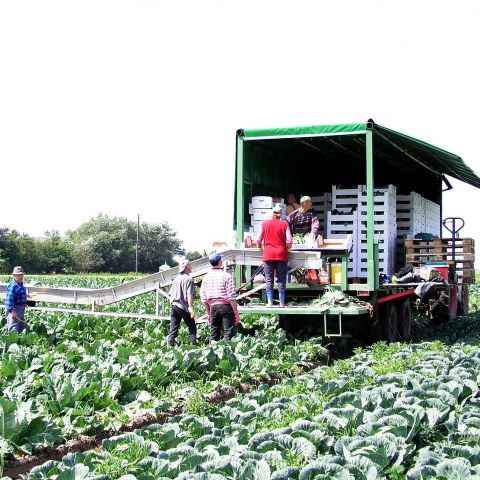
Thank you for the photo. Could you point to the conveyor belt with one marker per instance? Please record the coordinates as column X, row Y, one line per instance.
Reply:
column 106, row 296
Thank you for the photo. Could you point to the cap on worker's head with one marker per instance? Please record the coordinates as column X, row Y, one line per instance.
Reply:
column 18, row 271
column 277, row 210
column 182, row 264
column 215, row 258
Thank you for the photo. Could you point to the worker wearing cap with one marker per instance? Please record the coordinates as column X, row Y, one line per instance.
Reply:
column 304, row 219
column 275, row 238
column 181, row 296
column 15, row 301
column 218, row 296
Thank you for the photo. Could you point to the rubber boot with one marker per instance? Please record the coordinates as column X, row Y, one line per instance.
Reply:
column 281, row 295
column 270, row 298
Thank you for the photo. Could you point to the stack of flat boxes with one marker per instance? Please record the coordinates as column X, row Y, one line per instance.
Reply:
column 260, row 211
column 384, row 227
column 322, row 204
column 343, row 220
column 415, row 214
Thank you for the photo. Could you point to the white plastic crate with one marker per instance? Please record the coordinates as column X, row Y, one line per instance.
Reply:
column 341, row 225
column 381, row 230
column 345, row 198
column 411, row 201
column 322, row 203
column 325, row 197
column 380, row 195
column 322, row 207
column 416, row 214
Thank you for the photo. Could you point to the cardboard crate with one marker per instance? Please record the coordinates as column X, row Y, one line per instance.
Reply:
column 262, row 214
column 262, row 202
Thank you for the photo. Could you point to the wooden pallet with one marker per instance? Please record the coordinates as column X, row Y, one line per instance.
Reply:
column 439, row 257
column 440, row 250
column 466, row 245
column 457, row 241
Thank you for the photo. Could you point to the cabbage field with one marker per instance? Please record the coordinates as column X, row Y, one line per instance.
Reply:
column 265, row 406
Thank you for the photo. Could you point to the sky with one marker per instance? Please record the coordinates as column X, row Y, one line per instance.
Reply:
column 131, row 107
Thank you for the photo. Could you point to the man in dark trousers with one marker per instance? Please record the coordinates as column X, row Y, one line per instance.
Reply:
column 15, row 301
column 218, row 296
column 275, row 239
column 181, row 296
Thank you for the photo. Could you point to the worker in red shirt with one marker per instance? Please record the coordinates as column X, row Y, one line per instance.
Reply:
column 277, row 239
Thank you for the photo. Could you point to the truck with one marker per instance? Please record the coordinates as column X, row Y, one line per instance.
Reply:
column 322, row 158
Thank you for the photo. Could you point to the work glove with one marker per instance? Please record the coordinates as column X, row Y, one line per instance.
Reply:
column 237, row 317
column 192, row 313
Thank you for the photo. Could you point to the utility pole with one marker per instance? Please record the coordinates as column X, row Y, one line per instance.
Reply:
column 136, row 246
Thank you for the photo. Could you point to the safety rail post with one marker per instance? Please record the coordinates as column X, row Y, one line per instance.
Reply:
column 370, row 206
column 239, row 205
column 344, row 273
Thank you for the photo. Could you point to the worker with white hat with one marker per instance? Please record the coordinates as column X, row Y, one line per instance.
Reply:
column 181, row 296
column 275, row 239
column 15, row 301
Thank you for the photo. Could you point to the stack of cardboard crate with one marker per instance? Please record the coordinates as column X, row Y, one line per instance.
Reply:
column 261, row 209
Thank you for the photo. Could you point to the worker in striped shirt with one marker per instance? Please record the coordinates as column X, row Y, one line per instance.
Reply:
column 218, row 295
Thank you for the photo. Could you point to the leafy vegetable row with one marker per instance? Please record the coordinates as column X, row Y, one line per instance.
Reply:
column 399, row 411
column 73, row 374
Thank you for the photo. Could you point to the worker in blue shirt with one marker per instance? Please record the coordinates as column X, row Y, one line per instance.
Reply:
column 15, row 301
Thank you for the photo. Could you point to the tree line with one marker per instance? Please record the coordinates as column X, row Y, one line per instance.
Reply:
column 102, row 244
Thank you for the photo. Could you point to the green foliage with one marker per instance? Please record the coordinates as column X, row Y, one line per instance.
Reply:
column 397, row 412
column 474, row 297
column 102, row 244
column 108, row 244
column 18, row 249
column 191, row 256
column 77, row 374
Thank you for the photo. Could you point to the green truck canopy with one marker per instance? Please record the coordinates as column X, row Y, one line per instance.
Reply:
column 398, row 149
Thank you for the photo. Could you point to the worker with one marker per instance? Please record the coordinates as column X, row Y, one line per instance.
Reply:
column 15, row 301
column 181, row 296
column 292, row 204
column 304, row 219
column 275, row 238
column 218, row 296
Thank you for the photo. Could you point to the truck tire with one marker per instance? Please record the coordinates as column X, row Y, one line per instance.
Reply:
column 404, row 319
column 383, row 326
column 390, row 322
